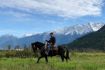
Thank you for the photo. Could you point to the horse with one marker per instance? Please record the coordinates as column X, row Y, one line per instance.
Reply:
column 62, row 51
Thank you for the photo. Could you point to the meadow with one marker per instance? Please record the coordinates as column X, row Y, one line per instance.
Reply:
column 79, row 61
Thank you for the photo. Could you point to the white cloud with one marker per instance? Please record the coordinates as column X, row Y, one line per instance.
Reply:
column 15, row 14
column 62, row 8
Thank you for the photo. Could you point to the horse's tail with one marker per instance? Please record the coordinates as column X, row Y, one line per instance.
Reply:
column 67, row 53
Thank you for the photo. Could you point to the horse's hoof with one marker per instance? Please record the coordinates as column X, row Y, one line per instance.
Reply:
column 37, row 62
column 62, row 61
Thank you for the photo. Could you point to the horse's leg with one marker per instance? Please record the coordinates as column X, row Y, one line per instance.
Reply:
column 39, row 59
column 62, row 57
column 66, row 58
column 46, row 58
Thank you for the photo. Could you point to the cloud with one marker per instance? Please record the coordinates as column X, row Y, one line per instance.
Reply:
column 61, row 8
column 15, row 14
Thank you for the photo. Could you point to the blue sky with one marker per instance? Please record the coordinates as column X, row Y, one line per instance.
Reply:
column 26, row 17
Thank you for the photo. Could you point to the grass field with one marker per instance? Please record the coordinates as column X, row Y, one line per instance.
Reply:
column 79, row 61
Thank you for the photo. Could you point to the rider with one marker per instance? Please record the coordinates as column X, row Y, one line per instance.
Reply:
column 51, row 42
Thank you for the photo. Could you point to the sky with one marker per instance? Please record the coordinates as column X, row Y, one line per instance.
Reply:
column 27, row 17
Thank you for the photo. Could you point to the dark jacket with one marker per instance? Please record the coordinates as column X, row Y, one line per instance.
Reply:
column 52, row 40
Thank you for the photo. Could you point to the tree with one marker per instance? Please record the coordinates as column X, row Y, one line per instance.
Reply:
column 9, row 47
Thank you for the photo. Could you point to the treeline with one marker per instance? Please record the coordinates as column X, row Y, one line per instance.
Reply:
column 25, row 53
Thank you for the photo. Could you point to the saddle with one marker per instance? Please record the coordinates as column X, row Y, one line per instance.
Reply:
column 53, row 48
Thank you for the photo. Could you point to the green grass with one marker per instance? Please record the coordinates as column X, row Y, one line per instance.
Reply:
column 79, row 61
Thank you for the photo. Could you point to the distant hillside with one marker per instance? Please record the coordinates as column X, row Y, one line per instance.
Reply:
column 91, row 41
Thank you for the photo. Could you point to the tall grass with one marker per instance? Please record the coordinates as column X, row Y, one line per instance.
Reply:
column 79, row 61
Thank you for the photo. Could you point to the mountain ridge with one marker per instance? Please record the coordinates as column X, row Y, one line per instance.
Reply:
column 91, row 41
column 64, row 35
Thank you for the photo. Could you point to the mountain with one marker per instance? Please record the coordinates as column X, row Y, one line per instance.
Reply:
column 63, row 36
column 7, row 40
column 80, row 28
column 91, row 41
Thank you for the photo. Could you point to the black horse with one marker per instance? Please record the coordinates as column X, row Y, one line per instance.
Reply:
column 62, row 51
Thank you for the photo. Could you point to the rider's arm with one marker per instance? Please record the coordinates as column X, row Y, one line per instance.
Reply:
column 49, row 40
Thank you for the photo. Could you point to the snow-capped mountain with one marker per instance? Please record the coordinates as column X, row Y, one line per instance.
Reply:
column 68, row 34
column 80, row 28
column 63, row 36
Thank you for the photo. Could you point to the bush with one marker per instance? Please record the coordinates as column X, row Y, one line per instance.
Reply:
column 24, row 54
column 10, row 54
column 14, row 53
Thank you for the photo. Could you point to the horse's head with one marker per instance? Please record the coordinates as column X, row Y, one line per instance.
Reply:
column 34, row 47
column 37, row 45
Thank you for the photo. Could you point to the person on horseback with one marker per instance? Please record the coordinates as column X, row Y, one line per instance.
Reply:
column 51, row 42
